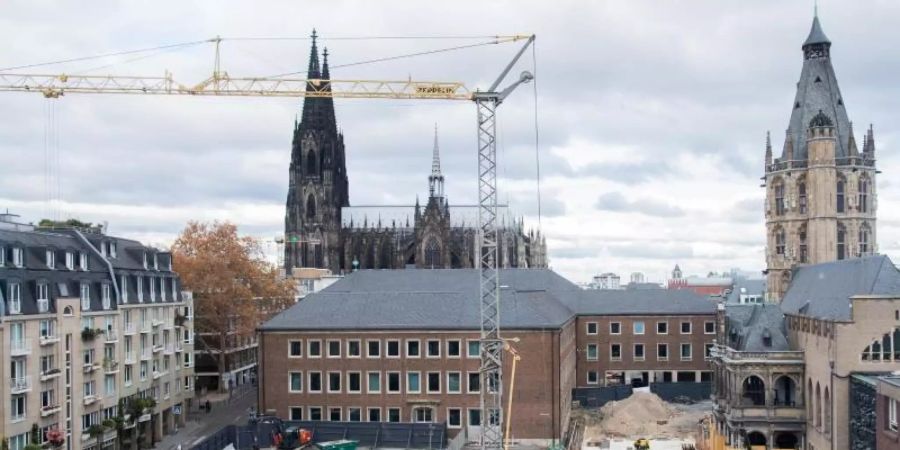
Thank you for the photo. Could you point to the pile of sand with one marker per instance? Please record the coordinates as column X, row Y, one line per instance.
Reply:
column 641, row 414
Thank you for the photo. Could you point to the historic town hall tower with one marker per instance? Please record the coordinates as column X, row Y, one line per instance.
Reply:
column 318, row 187
column 820, row 194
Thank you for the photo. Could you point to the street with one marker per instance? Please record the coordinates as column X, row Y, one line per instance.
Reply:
column 200, row 424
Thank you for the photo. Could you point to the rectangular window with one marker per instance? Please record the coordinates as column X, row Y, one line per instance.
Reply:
column 354, row 382
column 393, row 348
column 662, row 352
column 334, row 414
column 474, row 386
column 295, row 349
column 473, row 349
column 434, row 348
column 686, row 352
column 412, row 348
column 84, row 261
column 707, row 350
column 123, row 288
column 315, row 413
column 313, row 349
column 296, row 413
column 474, row 417
column 18, row 257
column 892, row 414
column 315, row 381
column 592, row 328
column 615, row 328
column 374, row 414
column 413, row 386
column 454, row 418
column 592, row 352
column 85, row 297
column 334, row 349
column 353, row 348
column 296, row 382
column 685, row 328
column 140, row 289
column 592, row 377
column 51, row 259
column 373, row 349
column 434, row 382
column 454, row 348
column 662, row 327
column 638, row 352
column 393, row 382
column 373, row 383
column 709, row 327
column 454, row 382
column 354, row 414
column 15, row 298
column 615, row 352
column 638, row 327
column 334, row 382
column 104, row 290
column 393, row 414
column 43, row 295
column 70, row 261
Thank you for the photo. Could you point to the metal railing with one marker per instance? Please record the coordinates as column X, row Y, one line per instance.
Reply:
column 20, row 347
column 20, row 384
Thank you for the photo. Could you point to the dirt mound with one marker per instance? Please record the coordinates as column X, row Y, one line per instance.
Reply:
column 641, row 414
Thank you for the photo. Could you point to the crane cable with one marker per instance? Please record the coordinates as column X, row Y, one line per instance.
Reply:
column 537, row 152
column 105, row 55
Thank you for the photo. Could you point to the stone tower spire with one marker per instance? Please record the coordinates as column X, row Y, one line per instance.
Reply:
column 819, row 194
column 768, row 149
column 436, row 179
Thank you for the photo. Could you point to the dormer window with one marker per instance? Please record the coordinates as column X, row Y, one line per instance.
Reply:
column 145, row 261
column 103, row 248
column 70, row 261
column 51, row 259
column 18, row 257
column 123, row 288
column 156, row 261
column 84, row 261
column 152, row 291
column 15, row 298
column 162, row 288
column 85, row 297
column 174, row 290
column 104, row 290
column 43, row 297
column 2, row 255
column 140, row 289
column 112, row 250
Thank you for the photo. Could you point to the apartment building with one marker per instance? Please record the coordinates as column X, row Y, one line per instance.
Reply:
column 402, row 346
column 89, row 321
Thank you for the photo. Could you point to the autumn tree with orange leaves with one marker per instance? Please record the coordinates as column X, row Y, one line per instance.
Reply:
column 235, row 289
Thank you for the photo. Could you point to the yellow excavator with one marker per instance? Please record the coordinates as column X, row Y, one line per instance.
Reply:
column 642, row 444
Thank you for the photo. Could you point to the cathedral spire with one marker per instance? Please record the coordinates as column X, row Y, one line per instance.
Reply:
column 851, row 143
column 325, row 72
column 313, row 71
column 436, row 179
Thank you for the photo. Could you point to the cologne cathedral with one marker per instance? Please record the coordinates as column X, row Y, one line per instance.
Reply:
column 322, row 230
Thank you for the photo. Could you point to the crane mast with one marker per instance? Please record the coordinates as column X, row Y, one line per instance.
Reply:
column 486, row 102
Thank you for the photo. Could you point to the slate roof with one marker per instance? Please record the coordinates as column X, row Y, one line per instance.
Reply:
column 747, row 326
column 448, row 299
column 746, row 286
column 818, row 90
column 824, row 290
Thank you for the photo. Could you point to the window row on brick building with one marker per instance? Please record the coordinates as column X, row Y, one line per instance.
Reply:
column 639, row 352
column 388, row 382
column 454, row 416
column 639, row 328
column 383, row 348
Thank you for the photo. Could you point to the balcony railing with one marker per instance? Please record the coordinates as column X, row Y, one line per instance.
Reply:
column 49, row 374
column 90, row 398
column 110, row 366
column 157, row 348
column 49, row 410
column 130, row 328
column 19, row 385
column 19, row 347
column 111, row 336
column 47, row 339
column 721, row 351
column 170, row 348
column 129, row 358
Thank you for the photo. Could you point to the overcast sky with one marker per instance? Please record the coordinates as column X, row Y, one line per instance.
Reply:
column 652, row 116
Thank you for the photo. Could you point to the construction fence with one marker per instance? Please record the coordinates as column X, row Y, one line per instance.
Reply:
column 596, row 397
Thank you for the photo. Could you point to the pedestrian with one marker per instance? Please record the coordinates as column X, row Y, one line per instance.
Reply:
column 207, row 406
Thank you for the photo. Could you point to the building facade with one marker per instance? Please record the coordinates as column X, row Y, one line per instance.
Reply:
column 89, row 322
column 820, row 193
column 323, row 231
column 404, row 346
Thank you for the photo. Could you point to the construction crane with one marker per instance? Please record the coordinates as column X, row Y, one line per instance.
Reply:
column 486, row 103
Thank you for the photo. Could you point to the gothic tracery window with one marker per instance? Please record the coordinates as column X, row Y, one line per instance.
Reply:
column 779, row 241
column 432, row 254
column 779, row 198
column 864, row 233
column 311, row 166
column 804, row 257
column 310, row 206
column 863, row 191
column 840, row 196
column 801, row 193
column 841, row 242
column 885, row 349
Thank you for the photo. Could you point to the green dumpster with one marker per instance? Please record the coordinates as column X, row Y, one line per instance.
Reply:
column 343, row 444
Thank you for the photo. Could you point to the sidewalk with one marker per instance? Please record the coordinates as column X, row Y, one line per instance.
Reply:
column 225, row 410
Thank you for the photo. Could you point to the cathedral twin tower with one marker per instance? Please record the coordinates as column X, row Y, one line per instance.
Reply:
column 323, row 231
column 820, row 194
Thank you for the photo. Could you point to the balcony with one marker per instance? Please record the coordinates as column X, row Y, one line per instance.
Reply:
column 130, row 328
column 47, row 339
column 146, row 354
column 157, row 348
column 91, row 399
column 129, row 358
column 170, row 349
column 50, row 374
column 20, row 385
column 157, row 374
column 156, row 322
column 145, row 327
column 110, row 366
column 50, row 410
column 111, row 336
column 19, row 347
column 90, row 367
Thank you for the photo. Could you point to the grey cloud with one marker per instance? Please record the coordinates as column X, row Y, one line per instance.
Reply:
column 627, row 172
column 673, row 251
column 616, row 202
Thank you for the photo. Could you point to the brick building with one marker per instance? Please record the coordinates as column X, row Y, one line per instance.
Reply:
column 402, row 346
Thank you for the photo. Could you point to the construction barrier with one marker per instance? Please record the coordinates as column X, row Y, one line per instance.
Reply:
column 595, row 397
column 682, row 391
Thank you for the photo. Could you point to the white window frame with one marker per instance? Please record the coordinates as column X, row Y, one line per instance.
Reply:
column 70, row 260
column 707, row 350
column 419, row 342
column 359, row 411
column 681, row 351
column 349, row 385
column 291, row 381
column 2, row 256
column 321, row 410
column 705, row 323
column 460, row 411
column 388, row 412
column 124, row 287
column 328, row 382
column 83, row 261
column 387, row 382
column 428, row 343
column 369, row 413
column 661, row 322
column 152, row 286
column 292, row 409
column 140, row 289
column 469, row 385
column 291, row 343
column 428, row 375
column 418, row 376
column 328, row 349
column 18, row 256
column 51, row 258
column 387, row 346
column 892, row 414
column 340, row 413
column 468, row 348
column 369, row 389
column 105, row 296
column 309, row 378
column 587, row 328
column 15, row 298
column 690, row 327
column 614, row 358
column 634, row 328
column 85, row 295
column 359, row 349
column 587, row 377
column 615, row 333
column 634, row 354
column 369, row 348
column 460, row 382
column 587, row 352
column 458, row 346
column 309, row 343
